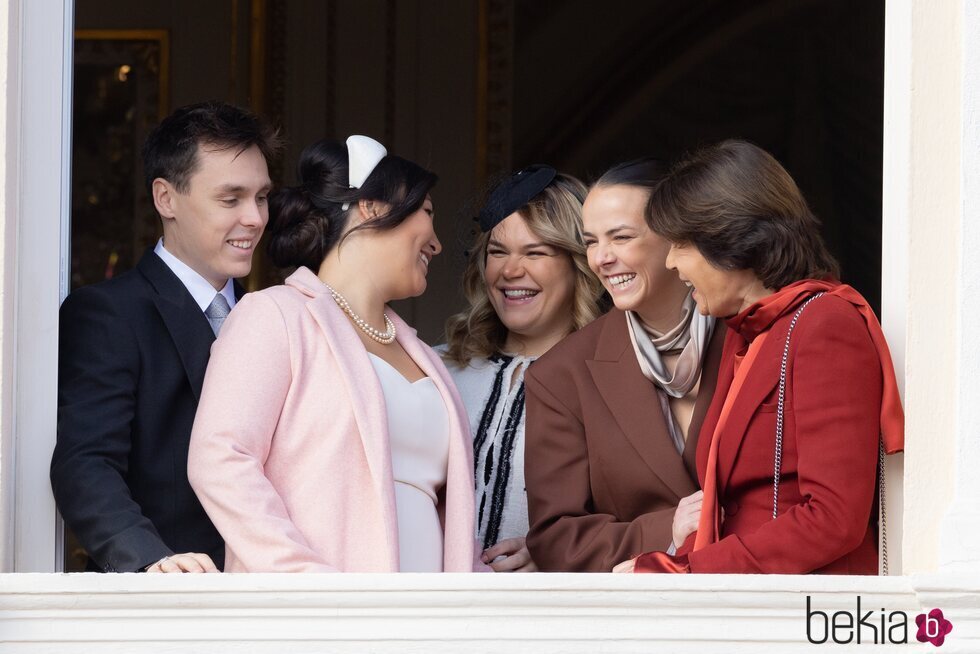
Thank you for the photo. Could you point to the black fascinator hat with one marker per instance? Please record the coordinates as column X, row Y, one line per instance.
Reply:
column 513, row 193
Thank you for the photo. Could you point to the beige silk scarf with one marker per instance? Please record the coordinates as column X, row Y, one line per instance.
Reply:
column 689, row 338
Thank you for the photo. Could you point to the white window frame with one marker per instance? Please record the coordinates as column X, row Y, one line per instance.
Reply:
column 39, row 102
column 540, row 613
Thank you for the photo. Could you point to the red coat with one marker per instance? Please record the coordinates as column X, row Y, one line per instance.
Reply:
column 826, row 522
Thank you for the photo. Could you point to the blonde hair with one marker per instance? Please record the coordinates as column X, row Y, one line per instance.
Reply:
column 554, row 216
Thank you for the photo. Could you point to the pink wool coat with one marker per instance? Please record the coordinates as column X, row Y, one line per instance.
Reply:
column 289, row 454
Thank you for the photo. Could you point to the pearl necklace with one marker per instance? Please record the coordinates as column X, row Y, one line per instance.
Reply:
column 386, row 337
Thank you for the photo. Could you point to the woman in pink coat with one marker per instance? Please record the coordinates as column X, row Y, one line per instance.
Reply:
column 329, row 437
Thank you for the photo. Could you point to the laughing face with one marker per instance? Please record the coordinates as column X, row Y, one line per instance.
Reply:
column 720, row 293
column 531, row 286
column 215, row 225
column 627, row 256
column 407, row 250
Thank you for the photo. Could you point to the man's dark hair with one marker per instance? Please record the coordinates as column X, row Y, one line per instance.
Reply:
column 170, row 151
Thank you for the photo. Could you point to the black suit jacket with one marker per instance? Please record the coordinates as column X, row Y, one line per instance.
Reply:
column 133, row 351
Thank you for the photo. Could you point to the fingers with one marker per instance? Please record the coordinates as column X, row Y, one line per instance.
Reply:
column 513, row 562
column 192, row 562
column 686, row 518
column 206, row 562
column 686, row 525
column 681, row 532
column 697, row 497
column 505, row 547
column 690, row 504
column 688, row 512
column 170, row 565
column 625, row 566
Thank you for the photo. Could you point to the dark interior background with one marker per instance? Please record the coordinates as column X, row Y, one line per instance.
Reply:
column 803, row 79
column 471, row 89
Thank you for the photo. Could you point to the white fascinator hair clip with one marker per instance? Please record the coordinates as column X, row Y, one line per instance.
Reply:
column 363, row 155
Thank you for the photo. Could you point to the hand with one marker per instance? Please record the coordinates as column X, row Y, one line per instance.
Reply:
column 626, row 566
column 686, row 518
column 186, row 562
column 516, row 557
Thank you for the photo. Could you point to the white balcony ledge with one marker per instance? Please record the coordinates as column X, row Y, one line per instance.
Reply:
column 461, row 613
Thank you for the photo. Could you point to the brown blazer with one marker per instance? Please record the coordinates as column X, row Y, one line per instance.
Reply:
column 603, row 477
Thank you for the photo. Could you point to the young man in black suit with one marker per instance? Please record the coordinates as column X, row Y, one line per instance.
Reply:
column 133, row 349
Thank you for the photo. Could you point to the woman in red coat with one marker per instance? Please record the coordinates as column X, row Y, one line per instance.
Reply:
column 743, row 237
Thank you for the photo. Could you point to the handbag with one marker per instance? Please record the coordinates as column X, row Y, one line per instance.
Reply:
column 778, row 459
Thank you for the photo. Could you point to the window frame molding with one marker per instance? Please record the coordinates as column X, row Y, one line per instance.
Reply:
column 37, row 215
column 564, row 612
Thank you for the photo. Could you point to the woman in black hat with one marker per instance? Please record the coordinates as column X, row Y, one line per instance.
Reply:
column 528, row 284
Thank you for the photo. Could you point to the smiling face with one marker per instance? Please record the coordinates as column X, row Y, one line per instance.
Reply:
column 531, row 286
column 215, row 225
column 720, row 293
column 406, row 251
column 628, row 257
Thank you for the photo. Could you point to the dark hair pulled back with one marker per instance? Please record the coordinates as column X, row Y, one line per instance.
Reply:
column 307, row 221
column 646, row 172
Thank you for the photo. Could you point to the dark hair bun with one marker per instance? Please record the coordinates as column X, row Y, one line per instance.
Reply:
column 307, row 221
column 295, row 228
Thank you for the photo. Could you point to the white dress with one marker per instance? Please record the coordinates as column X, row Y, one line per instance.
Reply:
column 418, row 430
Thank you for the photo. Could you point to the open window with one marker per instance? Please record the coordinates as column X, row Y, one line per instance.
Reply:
column 526, row 82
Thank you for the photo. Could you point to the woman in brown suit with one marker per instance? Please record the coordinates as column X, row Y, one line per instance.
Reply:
column 614, row 410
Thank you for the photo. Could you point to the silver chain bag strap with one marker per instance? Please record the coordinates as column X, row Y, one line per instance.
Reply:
column 778, row 459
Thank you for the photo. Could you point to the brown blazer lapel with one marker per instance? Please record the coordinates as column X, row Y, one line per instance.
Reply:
column 633, row 402
column 761, row 381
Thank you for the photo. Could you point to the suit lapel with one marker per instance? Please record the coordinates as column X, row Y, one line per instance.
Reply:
column 633, row 402
column 182, row 317
column 706, row 391
column 761, row 381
